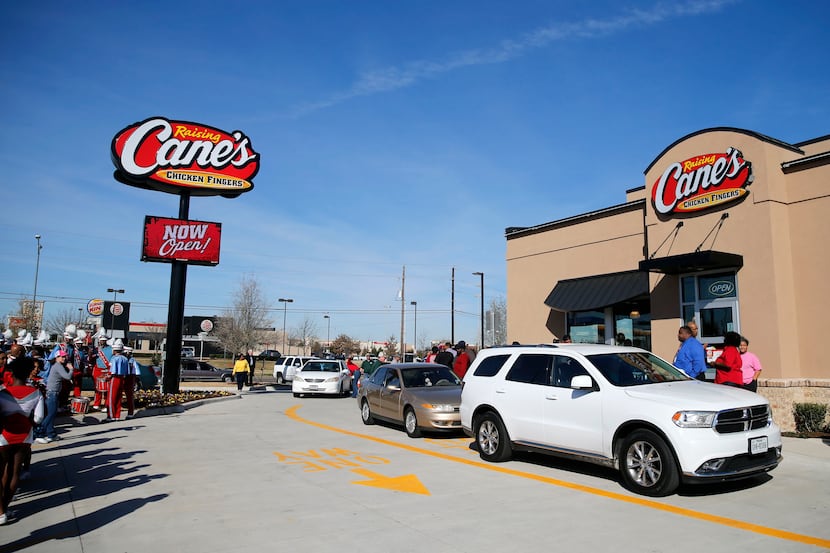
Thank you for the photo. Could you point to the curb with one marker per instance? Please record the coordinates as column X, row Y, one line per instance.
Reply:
column 180, row 408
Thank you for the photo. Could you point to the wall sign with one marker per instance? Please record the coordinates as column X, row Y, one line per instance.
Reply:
column 167, row 240
column 180, row 156
column 702, row 182
column 95, row 307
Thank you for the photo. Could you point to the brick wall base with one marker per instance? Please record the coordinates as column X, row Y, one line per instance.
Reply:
column 782, row 393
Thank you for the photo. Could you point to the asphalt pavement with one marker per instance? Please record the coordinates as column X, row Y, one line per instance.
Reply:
column 266, row 471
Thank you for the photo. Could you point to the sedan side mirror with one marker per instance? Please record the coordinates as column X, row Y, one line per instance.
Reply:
column 582, row 382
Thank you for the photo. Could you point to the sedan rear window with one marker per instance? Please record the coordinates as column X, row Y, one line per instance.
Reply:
column 633, row 368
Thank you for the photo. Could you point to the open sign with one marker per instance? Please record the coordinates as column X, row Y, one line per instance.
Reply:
column 721, row 288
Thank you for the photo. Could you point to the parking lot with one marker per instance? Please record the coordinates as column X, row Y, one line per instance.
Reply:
column 266, row 471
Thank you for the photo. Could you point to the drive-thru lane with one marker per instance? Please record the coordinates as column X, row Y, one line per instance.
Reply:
column 268, row 471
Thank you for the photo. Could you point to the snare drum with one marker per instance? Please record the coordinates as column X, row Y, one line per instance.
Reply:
column 101, row 385
column 79, row 405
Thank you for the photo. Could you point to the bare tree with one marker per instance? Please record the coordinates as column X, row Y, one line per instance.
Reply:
column 344, row 345
column 57, row 322
column 304, row 333
column 246, row 322
column 392, row 346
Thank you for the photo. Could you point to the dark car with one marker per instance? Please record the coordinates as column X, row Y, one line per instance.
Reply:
column 269, row 354
column 193, row 369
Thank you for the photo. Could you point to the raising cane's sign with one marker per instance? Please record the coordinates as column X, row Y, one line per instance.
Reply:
column 169, row 240
column 702, row 182
column 183, row 157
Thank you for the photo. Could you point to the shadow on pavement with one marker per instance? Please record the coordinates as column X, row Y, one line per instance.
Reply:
column 79, row 526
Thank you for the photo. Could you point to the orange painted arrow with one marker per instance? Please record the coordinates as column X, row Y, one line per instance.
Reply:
column 407, row 483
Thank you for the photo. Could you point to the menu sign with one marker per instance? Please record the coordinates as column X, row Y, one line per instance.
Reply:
column 702, row 182
column 168, row 240
column 180, row 156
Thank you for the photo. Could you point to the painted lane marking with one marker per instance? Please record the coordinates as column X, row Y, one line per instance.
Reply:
column 408, row 483
column 697, row 515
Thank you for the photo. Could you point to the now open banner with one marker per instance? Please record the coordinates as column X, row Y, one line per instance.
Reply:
column 168, row 240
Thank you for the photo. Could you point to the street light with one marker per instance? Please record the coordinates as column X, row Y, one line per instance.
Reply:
column 415, row 329
column 115, row 292
column 285, row 302
column 328, row 333
column 481, row 275
column 37, row 269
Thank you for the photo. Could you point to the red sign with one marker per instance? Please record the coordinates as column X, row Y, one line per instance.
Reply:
column 180, row 156
column 168, row 240
column 702, row 182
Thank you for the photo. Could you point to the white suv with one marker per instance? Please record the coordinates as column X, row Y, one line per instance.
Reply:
column 286, row 367
column 621, row 407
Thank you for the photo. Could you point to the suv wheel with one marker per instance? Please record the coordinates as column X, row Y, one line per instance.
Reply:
column 280, row 379
column 491, row 438
column 410, row 422
column 647, row 464
column 366, row 413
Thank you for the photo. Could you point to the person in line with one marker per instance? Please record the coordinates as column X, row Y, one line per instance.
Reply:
column 693, row 327
column 240, row 371
column 58, row 373
column 750, row 366
column 444, row 357
column 432, row 354
column 690, row 357
column 462, row 359
column 21, row 407
column 566, row 339
column 132, row 377
column 251, row 359
column 100, row 369
column 119, row 369
column 728, row 365
column 78, row 366
column 355, row 370
column 370, row 365
column 5, row 373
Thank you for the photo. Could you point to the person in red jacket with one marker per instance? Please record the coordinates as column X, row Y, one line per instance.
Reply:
column 462, row 359
column 729, row 363
column 21, row 407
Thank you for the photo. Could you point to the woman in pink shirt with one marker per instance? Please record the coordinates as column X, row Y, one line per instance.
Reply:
column 750, row 366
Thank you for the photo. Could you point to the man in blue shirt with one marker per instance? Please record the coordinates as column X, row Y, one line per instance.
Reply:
column 691, row 357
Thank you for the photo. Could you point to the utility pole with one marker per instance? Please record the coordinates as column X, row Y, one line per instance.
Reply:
column 452, row 309
column 402, row 351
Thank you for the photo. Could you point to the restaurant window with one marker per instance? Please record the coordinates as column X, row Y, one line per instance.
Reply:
column 587, row 327
column 712, row 301
column 632, row 324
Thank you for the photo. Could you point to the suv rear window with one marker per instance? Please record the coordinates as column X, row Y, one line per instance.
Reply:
column 531, row 369
column 491, row 365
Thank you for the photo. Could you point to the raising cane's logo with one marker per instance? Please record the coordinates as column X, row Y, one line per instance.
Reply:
column 179, row 156
column 702, row 182
column 168, row 240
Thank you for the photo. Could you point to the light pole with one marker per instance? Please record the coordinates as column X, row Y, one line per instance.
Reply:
column 115, row 292
column 328, row 333
column 481, row 344
column 37, row 270
column 285, row 302
column 415, row 332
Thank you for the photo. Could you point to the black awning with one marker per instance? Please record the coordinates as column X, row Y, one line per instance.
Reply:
column 693, row 262
column 597, row 292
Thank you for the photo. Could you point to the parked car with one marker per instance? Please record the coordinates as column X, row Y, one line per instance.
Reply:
column 193, row 369
column 269, row 355
column 285, row 368
column 617, row 406
column 188, row 351
column 322, row 376
column 148, row 376
column 420, row 396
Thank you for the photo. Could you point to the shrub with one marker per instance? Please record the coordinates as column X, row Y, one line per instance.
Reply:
column 809, row 417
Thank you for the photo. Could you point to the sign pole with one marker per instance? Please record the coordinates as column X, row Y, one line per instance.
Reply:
column 175, row 314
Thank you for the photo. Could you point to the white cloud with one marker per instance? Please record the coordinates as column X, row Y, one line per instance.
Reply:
column 407, row 74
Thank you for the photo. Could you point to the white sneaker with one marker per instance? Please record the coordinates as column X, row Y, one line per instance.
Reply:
column 42, row 440
column 5, row 519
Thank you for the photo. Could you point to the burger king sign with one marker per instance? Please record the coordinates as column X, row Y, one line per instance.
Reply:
column 702, row 182
column 183, row 157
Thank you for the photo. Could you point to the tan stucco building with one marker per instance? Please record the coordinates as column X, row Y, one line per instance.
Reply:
column 730, row 228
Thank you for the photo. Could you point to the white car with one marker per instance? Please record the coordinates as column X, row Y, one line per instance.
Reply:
column 285, row 367
column 322, row 376
column 621, row 407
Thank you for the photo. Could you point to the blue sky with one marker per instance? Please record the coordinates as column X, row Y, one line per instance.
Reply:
column 390, row 134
